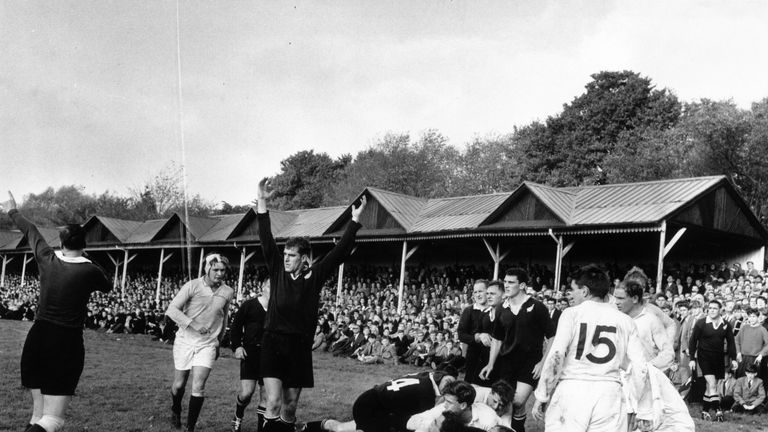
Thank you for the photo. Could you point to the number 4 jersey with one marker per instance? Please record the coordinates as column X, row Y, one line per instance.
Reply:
column 408, row 395
column 597, row 341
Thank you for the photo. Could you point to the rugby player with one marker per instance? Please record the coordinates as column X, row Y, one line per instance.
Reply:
column 670, row 325
column 580, row 381
column 499, row 397
column 658, row 348
column 494, row 298
column 521, row 326
column 53, row 355
column 200, row 309
column 388, row 406
column 469, row 331
column 459, row 400
column 706, row 348
column 286, row 351
column 246, row 333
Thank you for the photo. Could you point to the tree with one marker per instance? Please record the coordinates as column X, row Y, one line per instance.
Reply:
column 487, row 166
column 305, row 179
column 571, row 148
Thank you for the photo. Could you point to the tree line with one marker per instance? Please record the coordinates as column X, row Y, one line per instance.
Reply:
column 621, row 129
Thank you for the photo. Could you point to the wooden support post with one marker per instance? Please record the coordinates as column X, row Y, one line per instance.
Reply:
column 496, row 256
column 163, row 259
column 200, row 264
column 243, row 259
column 126, row 260
column 406, row 254
column 117, row 264
column 24, row 268
column 660, row 267
column 6, row 260
column 341, row 276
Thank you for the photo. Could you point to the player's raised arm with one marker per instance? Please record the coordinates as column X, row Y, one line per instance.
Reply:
column 341, row 251
column 263, row 194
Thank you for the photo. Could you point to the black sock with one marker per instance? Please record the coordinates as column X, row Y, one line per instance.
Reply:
column 36, row 428
column 176, row 399
column 271, row 425
column 286, row 426
column 518, row 423
column 314, row 426
column 260, row 416
column 705, row 404
column 240, row 406
column 195, row 405
column 715, row 401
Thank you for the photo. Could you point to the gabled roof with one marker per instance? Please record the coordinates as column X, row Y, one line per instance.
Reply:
column 224, row 227
column 10, row 239
column 147, row 231
column 404, row 208
column 645, row 202
column 197, row 225
column 120, row 228
column 458, row 213
column 307, row 223
column 559, row 201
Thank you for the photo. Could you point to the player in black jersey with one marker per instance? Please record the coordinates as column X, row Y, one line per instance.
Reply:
column 471, row 335
column 388, row 406
column 286, row 350
column 53, row 355
column 246, row 332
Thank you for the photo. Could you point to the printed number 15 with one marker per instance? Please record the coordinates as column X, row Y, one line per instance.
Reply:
column 597, row 339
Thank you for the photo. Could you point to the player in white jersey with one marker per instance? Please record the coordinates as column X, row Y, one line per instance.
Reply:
column 670, row 325
column 200, row 309
column 593, row 343
column 656, row 345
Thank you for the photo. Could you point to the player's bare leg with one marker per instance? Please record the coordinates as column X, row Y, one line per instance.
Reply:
column 273, row 393
column 177, row 393
column 711, row 399
column 37, row 406
column 247, row 389
column 522, row 393
column 54, row 408
column 199, row 377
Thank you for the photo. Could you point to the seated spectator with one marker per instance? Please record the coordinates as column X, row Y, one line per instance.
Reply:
column 748, row 393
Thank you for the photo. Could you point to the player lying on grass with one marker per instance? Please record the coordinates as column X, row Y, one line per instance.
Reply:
column 458, row 400
column 389, row 405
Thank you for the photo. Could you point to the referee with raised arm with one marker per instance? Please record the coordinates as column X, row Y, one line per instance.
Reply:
column 54, row 355
column 286, row 349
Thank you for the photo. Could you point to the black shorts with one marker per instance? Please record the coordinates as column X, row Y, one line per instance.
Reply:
column 711, row 363
column 287, row 357
column 52, row 359
column 514, row 369
column 249, row 368
column 370, row 416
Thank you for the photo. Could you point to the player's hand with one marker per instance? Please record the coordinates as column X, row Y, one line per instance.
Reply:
column 738, row 357
column 644, row 425
column 734, row 364
column 692, row 365
column 358, row 210
column 240, row 353
column 485, row 339
column 537, row 369
column 537, row 411
column 8, row 205
column 758, row 359
column 262, row 192
column 485, row 372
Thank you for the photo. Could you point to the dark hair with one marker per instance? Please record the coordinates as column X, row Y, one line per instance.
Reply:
column 750, row 367
column 496, row 283
column 593, row 277
column 719, row 305
column 72, row 237
column 301, row 245
column 463, row 391
column 633, row 288
column 446, row 369
column 753, row 311
column 520, row 274
column 505, row 391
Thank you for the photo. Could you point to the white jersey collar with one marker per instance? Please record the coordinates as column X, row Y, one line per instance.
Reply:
column 71, row 260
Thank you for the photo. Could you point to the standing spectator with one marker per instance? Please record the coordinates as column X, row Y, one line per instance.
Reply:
column 751, row 342
column 469, row 332
column 67, row 279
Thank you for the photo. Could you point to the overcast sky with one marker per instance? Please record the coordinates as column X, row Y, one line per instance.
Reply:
column 90, row 88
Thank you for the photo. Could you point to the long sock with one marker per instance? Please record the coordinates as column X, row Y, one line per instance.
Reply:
column 271, row 424
column 176, row 400
column 314, row 426
column 518, row 422
column 195, row 405
column 36, row 428
column 240, row 406
column 260, row 416
column 715, row 401
column 287, row 426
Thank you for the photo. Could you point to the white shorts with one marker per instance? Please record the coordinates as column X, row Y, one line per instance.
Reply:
column 186, row 356
column 578, row 406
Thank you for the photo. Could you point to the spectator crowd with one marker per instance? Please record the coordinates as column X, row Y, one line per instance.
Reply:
column 364, row 322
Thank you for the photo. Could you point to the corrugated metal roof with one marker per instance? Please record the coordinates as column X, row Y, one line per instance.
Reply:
column 560, row 201
column 310, row 222
column 121, row 228
column 636, row 202
column 146, row 231
column 10, row 239
column 223, row 228
column 456, row 213
column 404, row 208
column 197, row 225
column 51, row 236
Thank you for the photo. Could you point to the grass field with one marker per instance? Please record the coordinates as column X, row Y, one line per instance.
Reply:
column 125, row 384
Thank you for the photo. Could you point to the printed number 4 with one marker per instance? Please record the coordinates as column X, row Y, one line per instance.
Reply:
column 402, row 382
column 597, row 339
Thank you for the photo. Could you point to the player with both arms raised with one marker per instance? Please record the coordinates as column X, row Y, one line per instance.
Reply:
column 286, row 350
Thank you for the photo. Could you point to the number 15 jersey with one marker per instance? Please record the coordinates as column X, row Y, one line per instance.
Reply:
column 597, row 341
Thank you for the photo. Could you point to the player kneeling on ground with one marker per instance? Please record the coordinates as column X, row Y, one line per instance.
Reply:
column 459, row 401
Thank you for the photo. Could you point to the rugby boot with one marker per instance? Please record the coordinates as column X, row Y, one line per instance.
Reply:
column 176, row 419
column 719, row 416
column 706, row 416
column 237, row 423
